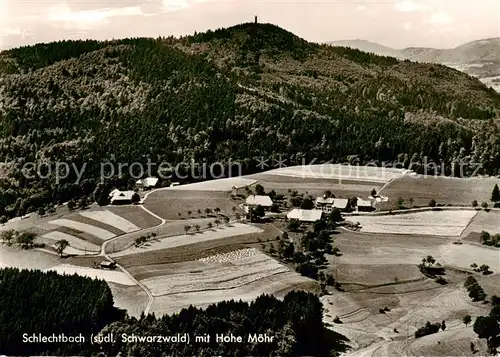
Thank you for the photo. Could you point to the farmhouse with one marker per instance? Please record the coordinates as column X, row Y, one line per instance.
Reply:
column 324, row 204
column 236, row 190
column 327, row 204
column 105, row 264
column 118, row 197
column 365, row 205
column 147, row 183
column 305, row 215
column 256, row 200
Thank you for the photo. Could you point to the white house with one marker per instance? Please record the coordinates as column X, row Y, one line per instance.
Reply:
column 327, row 204
column 118, row 197
column 324, row 204
column 235, row 190
column 255, row 200
column 305, row 215
column 364, row 205
column 341, row 203
column 147, row 183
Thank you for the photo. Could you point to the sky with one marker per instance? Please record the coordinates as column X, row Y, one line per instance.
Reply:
column 395, row 23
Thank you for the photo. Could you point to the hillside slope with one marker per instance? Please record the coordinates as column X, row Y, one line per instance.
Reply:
column 479, row 58
column 231, row 94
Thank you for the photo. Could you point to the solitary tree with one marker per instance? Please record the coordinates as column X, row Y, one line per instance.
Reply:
column 400, row 202
column 259, row 190
column 373, row 193
column 466, row 320
column 187, row 228
column 335, row 215
column 293, row 225
column 226, row 220
column 411, row 200
column 217, row 223
column 432, row 203
column 475, row 203
column 210, row 225
column 84, row 202
column 135, row 198
column 495, row 194
column 41, row 211
column 217, row 210
column 190, row 213
column 485, row 237
column 61, row 245
column 197, row 227
column 307, row 203
column 257, row 212
column 71, row 205
column 484, row 205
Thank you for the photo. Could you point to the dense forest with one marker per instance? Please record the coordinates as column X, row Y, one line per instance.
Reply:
column 47, row 303
column 227, row 95
column 33, row 302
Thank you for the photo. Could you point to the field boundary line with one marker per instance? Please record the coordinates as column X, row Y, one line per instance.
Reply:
column 401, row 234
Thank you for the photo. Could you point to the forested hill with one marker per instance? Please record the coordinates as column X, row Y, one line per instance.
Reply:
column 242, row 92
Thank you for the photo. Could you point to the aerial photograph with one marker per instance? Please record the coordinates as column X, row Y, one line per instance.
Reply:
column 250, row 178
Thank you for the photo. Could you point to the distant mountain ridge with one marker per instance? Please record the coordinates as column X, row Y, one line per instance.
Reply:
column 479, row 50
column 480, row 58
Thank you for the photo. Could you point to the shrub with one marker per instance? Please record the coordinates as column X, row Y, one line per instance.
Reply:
column 428, row 329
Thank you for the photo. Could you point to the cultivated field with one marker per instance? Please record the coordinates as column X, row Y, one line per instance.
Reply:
column 454, row 191
column 437, row 223
column 135, row 215
column 170, row 228
column 346, row 189
column 484, row 221
column 111, row 219
column 16, row 258
column 73, row 241
column 341, row 172
column 222, row 185
column 186, row 253
column 169, row 203
column 390, row 249
column 462, row 256
column 131, row 298
column 234, row 275
column 216, row 276
column 84, row 227
column 235, row 229
column 108, row 275
column 358, row 276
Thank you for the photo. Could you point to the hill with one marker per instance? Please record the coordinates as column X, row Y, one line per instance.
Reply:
column 367, row 46
column 226, row 95
column 476, row 51
column 479, row 58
